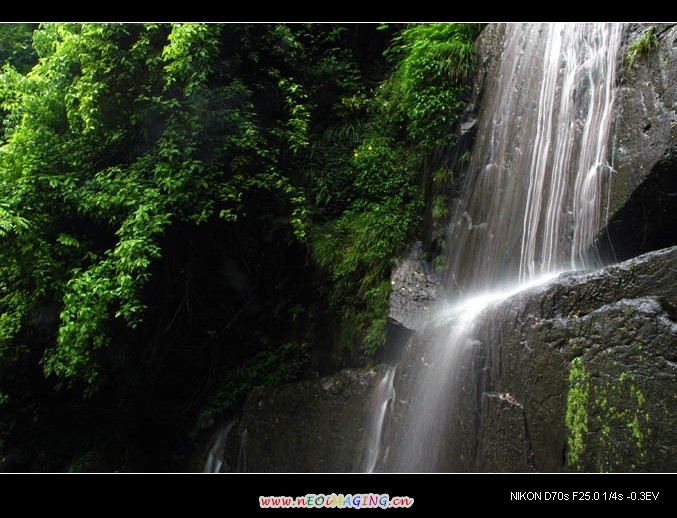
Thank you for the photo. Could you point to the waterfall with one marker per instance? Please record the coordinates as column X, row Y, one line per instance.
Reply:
column 381, row 400
column 539, row 167
column 215, row 456
column 531, row 207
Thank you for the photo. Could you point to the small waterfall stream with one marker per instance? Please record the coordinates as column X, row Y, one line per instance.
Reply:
column 381, row 402
column 214, row 461
column 531, row 207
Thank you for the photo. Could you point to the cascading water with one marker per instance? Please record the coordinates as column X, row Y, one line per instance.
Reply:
column 218, row 458
column 531, row 206
column 539, row 165
column 381, row 400
column 214, row 461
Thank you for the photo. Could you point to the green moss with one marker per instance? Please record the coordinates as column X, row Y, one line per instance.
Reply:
column 607, row 422
column 577, row 411
column 619, row 413
column 576, row 344
column 636, row 431
column 640, row 352
column 635, row 425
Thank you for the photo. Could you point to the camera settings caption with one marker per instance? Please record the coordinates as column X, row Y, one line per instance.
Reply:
column 585, row 496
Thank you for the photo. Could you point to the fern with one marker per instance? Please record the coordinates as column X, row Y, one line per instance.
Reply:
column 641, row 47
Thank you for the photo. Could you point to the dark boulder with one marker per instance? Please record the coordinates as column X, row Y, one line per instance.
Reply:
column 415, row 287
column 309, row 426
column 580, row 375
column 642, row 210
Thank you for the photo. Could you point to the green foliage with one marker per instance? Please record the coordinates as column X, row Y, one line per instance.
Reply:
column 267, row 369
column 424, row 99
column 440, row 208
column 640, row 47
column 410, row 119
column 182, row 204
column 116, row 127
column 426, row 92
column 378, row 302
column 442, row 177
column 358, row 251
column 190, row 54
column 439, row 260
column 16, row 47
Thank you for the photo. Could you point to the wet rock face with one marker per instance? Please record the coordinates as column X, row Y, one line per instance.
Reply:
column 415, row 287
column 578, row 376
column 646, row 114
column 310, row 426
column 643, row 184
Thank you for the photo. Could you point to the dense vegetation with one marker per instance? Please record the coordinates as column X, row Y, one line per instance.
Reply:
column 188, row 212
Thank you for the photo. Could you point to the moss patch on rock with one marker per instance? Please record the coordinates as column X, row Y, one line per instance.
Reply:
column 607, row 418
